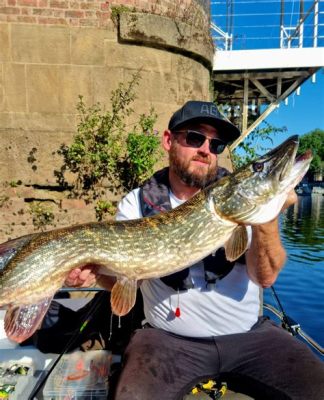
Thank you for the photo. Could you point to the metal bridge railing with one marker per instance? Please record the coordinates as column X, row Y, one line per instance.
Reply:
column 261, row 24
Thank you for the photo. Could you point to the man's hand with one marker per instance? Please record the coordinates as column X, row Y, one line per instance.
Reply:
column 82, row 277
column 291, row 199
column 266, row 255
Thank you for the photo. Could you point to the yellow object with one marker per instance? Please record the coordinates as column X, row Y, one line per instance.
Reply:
column 223, row 389
column 211, row 388
column 209, row 385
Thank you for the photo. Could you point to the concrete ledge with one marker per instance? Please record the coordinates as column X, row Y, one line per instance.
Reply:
column 268, row 59
column 166, row 33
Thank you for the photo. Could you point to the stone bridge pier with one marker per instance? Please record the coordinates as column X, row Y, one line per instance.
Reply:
column 52, row 51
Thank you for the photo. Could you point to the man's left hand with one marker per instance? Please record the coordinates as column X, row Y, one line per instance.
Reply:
column 291, row 199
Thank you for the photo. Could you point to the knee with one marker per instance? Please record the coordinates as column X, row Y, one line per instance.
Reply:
column 134, row 390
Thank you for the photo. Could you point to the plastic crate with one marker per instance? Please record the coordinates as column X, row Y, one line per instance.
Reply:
column 81, row 376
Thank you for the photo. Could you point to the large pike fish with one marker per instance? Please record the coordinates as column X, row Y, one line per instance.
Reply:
column 34, row 267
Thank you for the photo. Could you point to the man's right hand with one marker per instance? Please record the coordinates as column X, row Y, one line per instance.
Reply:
column 88, row 276
column 82, row 277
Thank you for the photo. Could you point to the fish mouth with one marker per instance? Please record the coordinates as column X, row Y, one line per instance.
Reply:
column 303, row 157
column 293, row 166
column 287, row 162
column 283, row 158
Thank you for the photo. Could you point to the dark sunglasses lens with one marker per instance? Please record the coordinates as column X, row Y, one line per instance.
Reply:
column 216, row 146
column 195, row 139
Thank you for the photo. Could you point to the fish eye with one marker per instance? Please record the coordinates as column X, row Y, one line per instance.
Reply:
column 258, row 167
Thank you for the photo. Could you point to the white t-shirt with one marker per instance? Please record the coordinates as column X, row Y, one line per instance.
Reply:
column 231, row 306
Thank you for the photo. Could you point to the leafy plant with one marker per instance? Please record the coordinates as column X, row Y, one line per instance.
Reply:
column 104, row 207
column 142, row 152
column 254, row 145
column 3, row 200
column 313, row 141
column 42, row 215
column 14, row 184
column 116, row 11
column 106, row 153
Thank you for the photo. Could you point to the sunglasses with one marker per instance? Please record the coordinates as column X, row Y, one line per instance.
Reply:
column 196, row 139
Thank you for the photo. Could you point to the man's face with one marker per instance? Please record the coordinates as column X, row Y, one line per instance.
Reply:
column 197, row 167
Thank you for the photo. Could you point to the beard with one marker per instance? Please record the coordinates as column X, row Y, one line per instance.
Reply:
column 198, row 178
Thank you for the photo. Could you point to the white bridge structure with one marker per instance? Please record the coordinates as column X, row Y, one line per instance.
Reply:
column 265, row 50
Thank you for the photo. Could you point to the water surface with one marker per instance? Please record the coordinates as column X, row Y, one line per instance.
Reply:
column 300, row 285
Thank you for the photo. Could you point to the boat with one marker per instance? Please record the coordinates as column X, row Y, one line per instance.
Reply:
column 310, row 189
column 304, row 189
column 318, row 191
column 42, row 366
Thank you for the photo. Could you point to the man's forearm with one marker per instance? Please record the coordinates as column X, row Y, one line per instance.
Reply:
column 266, row 255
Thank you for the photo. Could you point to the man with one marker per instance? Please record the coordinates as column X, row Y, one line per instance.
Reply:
column 203, row 322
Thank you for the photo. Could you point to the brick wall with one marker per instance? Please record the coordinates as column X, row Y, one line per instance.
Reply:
column 94, row 13
column 55, row 12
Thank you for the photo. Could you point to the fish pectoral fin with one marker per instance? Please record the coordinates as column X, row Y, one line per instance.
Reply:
column 22, row 321
column 237, row 243
column 123, row 296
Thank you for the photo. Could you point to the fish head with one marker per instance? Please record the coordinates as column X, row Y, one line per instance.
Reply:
column 255, row 193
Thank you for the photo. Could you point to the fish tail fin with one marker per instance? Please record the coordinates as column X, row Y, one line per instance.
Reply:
column 123, row 296
column 22, row 321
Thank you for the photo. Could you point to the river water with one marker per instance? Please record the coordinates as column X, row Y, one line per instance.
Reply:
column 300, row 285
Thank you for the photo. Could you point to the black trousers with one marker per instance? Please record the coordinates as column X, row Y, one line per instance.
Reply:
column 264, row 363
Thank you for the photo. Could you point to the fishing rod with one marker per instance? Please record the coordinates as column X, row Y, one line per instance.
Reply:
column 93, row 309
column 290, row 324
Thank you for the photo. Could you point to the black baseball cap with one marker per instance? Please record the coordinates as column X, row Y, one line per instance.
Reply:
column 204, row 112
